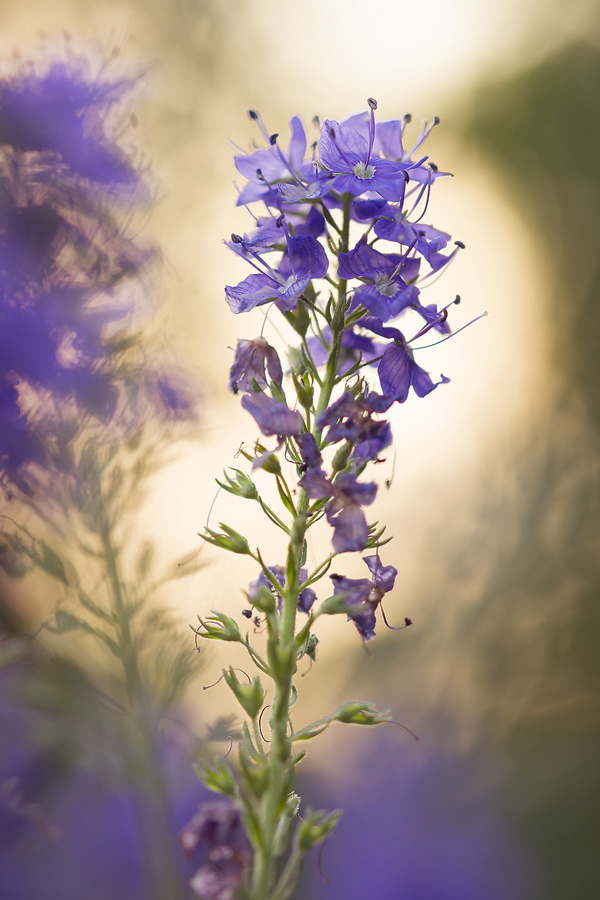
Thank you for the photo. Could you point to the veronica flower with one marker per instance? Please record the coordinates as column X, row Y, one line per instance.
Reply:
column 364, row 596
column 305, row 259
column 343, row 510
column 397, row 369
column 385, row 292
column 350, row 157
column 270, row 166
column 351, row 420
column 219, row 826
column 251, row 358
column 306, row 597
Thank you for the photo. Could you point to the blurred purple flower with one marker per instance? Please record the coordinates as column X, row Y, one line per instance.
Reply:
column 306, row 597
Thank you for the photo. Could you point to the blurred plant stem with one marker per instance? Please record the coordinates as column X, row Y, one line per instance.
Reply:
column 156, row 829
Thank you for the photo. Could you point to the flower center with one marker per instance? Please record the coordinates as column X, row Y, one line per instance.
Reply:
column 362, row 170
column 385, row 285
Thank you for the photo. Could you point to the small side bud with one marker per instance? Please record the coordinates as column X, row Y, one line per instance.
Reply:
column 340, row 460
column 264, row 600
column 356, row 713
column 249, row 696
column 220, row 627
column 216, row 778
column 316, row 827
column 231, row 540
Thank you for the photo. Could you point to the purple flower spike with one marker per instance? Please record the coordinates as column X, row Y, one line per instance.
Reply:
column 272, row 416
column 251, row 357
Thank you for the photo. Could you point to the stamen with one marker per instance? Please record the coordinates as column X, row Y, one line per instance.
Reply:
column 476, row 319
column 373, row 106
column 256, row 118
column 425, row 132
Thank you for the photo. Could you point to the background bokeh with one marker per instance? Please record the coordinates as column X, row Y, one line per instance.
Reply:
column 494, row 501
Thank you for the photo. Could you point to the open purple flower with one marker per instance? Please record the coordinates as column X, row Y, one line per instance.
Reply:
column 349, row 156
column 386, row 292
column 397, row 369
column 364, row 596
column 266, row 168
column 305, row 259
column 351, row 420
column 343, row 511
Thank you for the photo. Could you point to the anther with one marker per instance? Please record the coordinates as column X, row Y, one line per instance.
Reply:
column 436, row 120
column 260, row 175
column 408, row 118
column 316, row 122
column 273, row 139
column 406, row 176
column 247, row 613
column 433, row 166
column 457, row 299
column 253, row 115
column 372, row 103
column 459, row 244
column 280, row 220
column 237, row 239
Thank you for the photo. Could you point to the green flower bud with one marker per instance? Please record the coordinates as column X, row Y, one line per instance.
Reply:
column 316, row 827
column 356, row 713
column 231, row 540
column 220, row 627
column 249, row 696
column 241, row 486
column 216, row 777
column 340, row 459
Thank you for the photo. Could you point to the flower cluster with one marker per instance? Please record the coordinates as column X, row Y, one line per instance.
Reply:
column 340, row 249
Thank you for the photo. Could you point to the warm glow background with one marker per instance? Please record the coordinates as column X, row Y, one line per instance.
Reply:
column 458, row 505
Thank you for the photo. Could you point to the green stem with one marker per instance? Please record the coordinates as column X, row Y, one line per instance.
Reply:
column 282, row 647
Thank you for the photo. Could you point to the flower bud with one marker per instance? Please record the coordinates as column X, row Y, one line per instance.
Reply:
column 316, row 827
column 231, row 540
column 220, row 627
column 356, row 713
column 249, row 696
column 340, row 459
column 217, row 777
